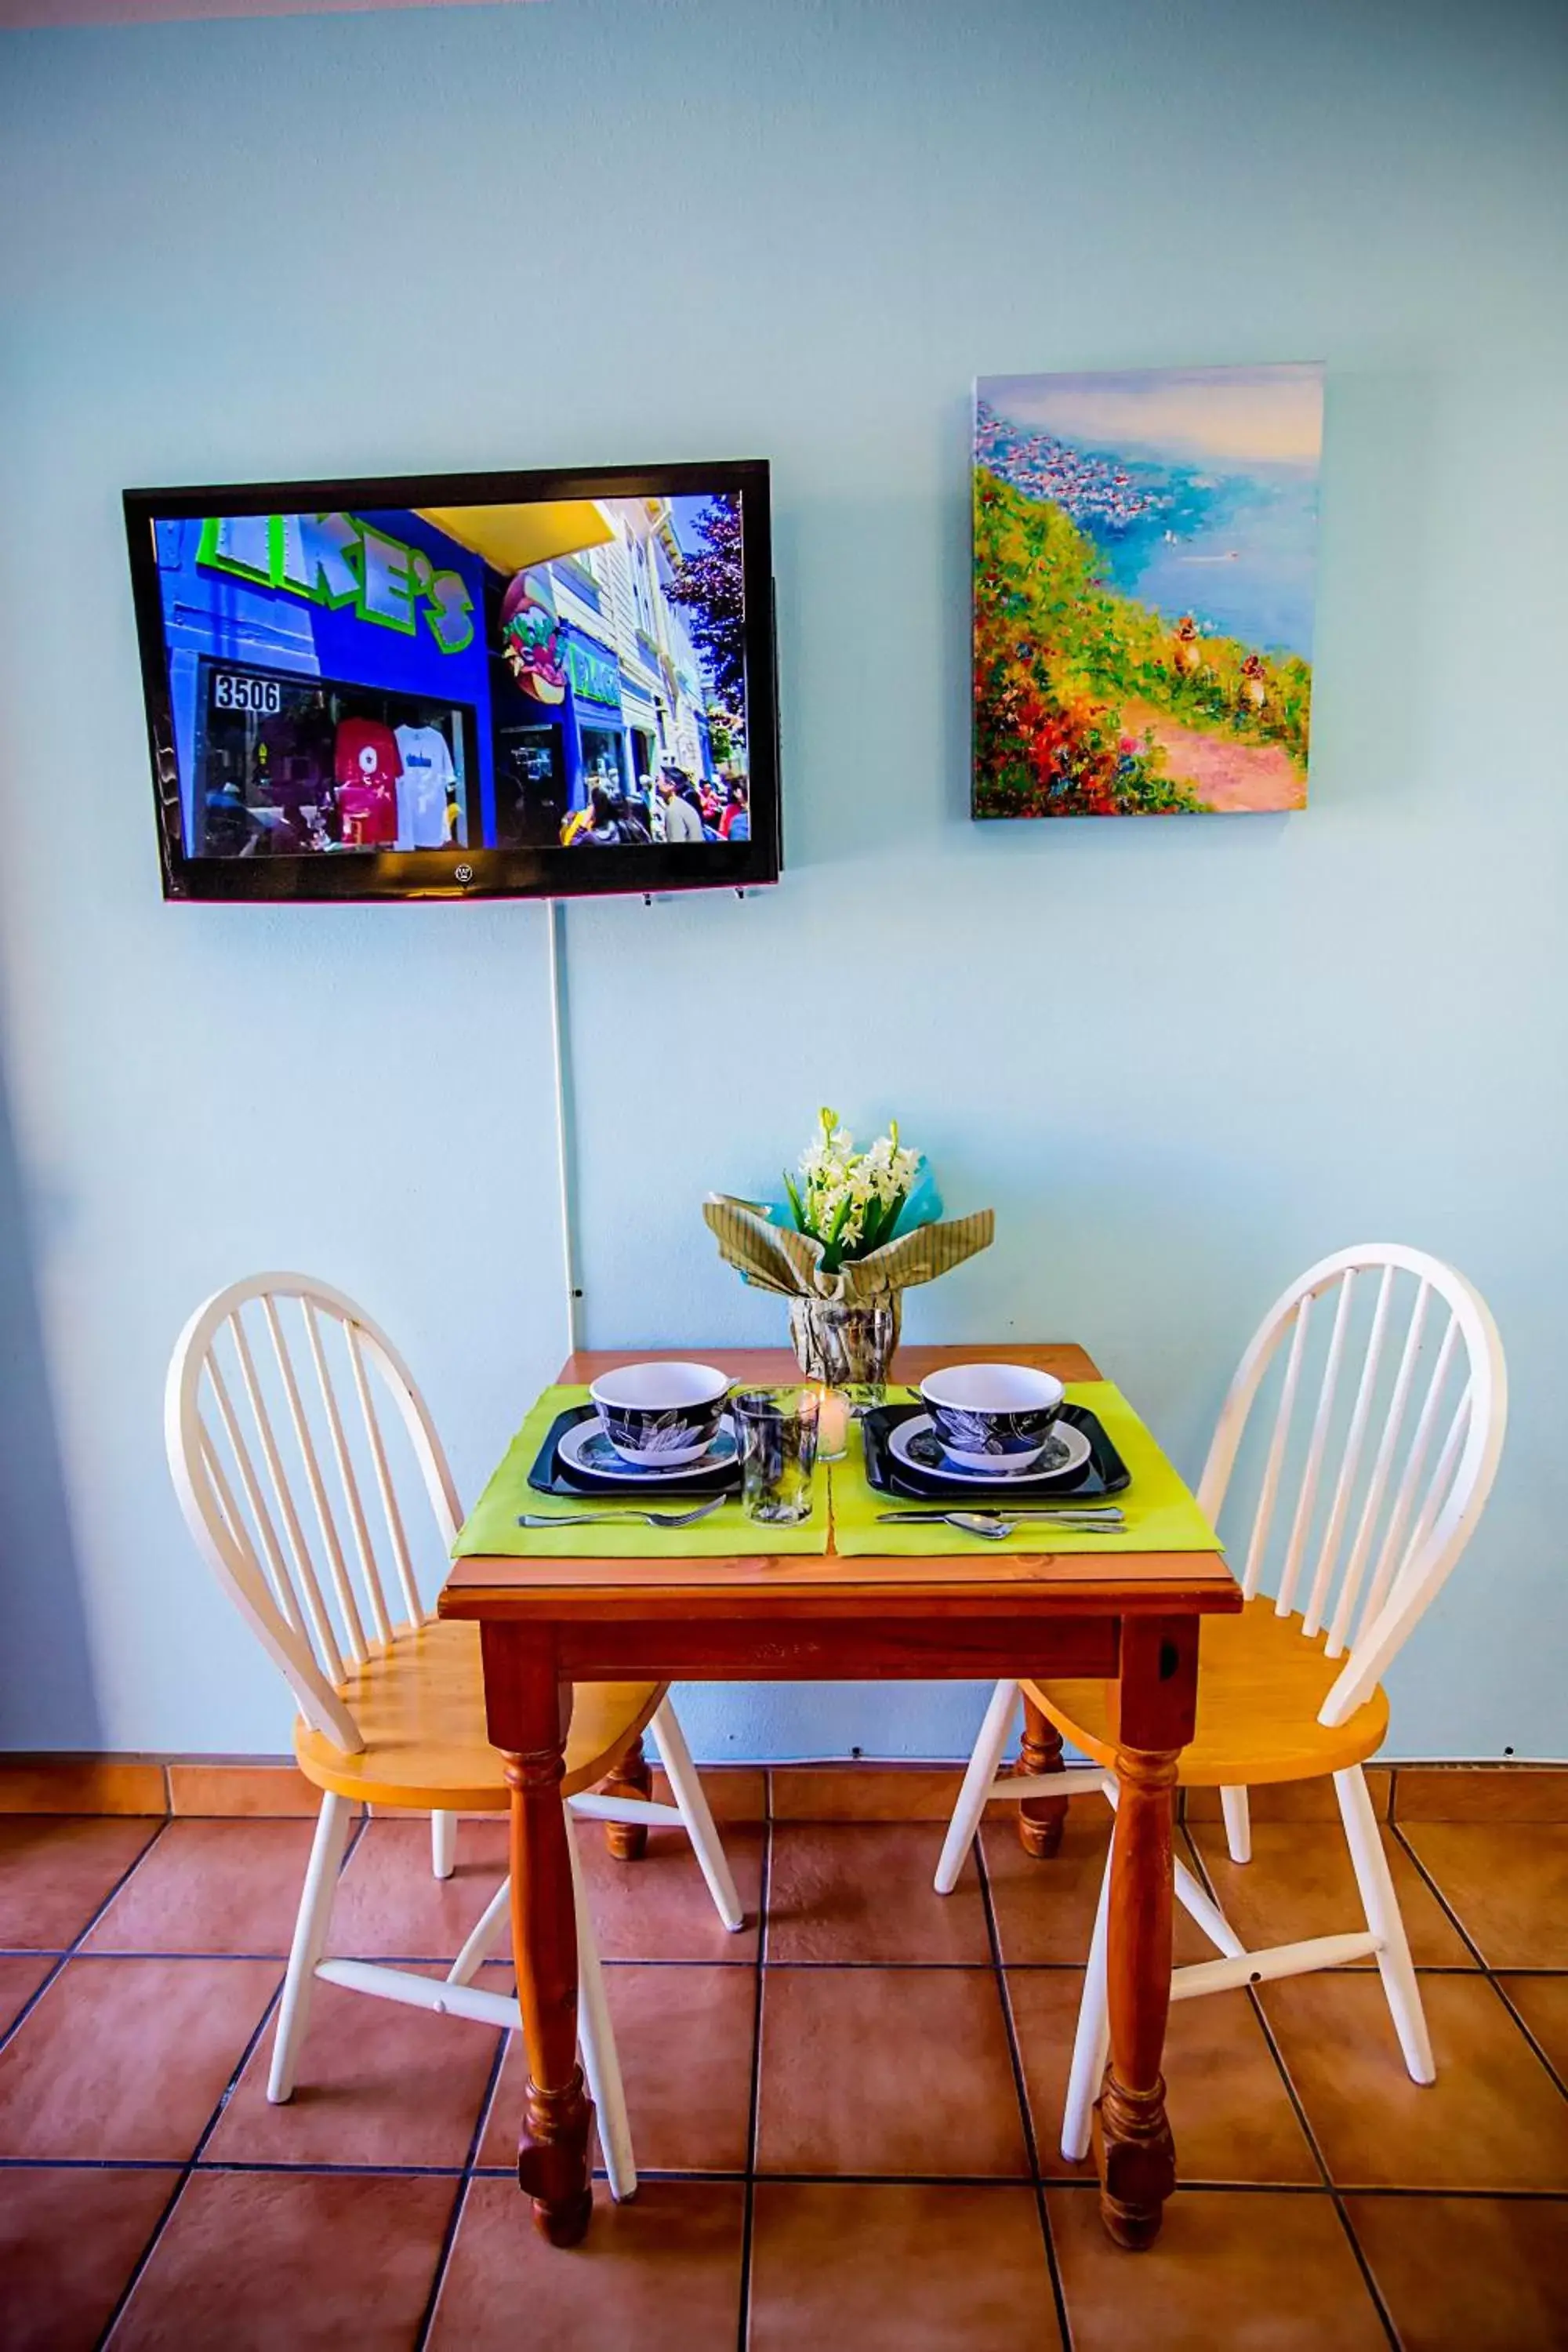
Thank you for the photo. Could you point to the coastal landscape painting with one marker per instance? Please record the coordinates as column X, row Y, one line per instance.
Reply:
column 1145, row 554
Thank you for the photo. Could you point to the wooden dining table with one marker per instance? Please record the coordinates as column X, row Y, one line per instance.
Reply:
column 1131, row 1617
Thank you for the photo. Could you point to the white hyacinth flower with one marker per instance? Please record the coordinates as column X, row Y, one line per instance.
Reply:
column 847, row 1196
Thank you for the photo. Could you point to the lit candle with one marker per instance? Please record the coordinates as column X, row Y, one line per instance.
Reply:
column 832, row 1423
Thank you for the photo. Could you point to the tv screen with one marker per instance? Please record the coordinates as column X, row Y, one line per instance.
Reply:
column 539, row 685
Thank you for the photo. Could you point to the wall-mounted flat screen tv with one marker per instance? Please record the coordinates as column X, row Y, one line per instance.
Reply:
column 461, row 686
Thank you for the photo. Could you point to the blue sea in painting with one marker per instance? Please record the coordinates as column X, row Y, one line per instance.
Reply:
column 1235, row 551
column 1227, row 538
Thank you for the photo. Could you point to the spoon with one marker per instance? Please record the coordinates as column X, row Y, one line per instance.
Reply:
column 994, row 1527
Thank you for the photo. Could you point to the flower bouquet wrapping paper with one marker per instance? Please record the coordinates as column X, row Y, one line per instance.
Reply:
column 859, row 1226
column 775, row 1257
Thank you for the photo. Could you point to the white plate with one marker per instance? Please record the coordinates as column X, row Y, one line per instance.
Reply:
column 907, row 1435
column 587, row 1453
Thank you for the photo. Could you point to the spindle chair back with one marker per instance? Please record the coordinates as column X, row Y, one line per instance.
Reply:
column 1382, row 1446
column 270, row 1441
column 1370, row 1488
column 298, row 1444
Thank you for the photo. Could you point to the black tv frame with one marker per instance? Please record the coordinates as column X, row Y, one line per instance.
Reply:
column 472, row 872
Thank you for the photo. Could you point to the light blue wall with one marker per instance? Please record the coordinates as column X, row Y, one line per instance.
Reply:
column 1182, row 1058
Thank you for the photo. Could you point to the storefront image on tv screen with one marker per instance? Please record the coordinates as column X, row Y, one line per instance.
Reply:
column 533, row 684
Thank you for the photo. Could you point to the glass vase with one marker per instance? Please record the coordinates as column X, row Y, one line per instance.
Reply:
column 843, row 1344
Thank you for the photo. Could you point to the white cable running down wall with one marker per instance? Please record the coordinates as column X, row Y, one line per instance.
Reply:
column 555, row 949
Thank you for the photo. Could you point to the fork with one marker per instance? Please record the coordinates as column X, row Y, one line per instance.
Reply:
column 638, row 1518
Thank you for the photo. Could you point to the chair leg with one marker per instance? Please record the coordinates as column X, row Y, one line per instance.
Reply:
column 443, row 1843
column 596, row 2040
column 628, row 1841
column 1237, row 1823
column 1041, row 1820
column 486, row 1934
column 1385, row 1922
column 691, row 1803
column 976, row 1789
column 309, row 1942
column 1194, row 1901
column 1091, row 2042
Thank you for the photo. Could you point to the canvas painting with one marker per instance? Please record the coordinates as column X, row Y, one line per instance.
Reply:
column 1144, row 552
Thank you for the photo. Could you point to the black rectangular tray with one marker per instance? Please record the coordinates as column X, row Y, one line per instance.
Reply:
column 548, row 1477
column 1104, row 1473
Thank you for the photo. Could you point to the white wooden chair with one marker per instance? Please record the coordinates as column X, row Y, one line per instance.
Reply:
column 1290, row 1688
column 391, row 1698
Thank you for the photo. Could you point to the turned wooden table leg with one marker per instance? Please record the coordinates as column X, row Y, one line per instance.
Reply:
column 1040, row 1819
column 528, row 1713
column 633, row 1777
column 1137, row 2155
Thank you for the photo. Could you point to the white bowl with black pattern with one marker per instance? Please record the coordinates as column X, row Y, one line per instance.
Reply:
column 661, row 1415
column 992, row 1416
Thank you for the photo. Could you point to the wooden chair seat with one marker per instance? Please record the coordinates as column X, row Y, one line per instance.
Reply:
column 420, row 1708
column 1261, row 1682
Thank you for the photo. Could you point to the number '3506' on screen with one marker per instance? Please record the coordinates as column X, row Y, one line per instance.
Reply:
column 260, row 694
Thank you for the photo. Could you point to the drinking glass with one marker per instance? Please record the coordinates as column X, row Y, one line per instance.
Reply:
column 777, row 1432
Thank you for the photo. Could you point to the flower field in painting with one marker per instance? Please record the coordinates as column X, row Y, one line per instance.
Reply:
column 1136, row 599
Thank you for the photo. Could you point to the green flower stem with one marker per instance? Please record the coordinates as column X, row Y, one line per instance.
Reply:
column 832, row 1258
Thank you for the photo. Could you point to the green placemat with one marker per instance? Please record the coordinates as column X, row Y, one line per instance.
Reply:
column 491, row 1525
column 1160, row 1513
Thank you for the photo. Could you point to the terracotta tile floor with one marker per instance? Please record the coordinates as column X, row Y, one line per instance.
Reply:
column 846, row 2123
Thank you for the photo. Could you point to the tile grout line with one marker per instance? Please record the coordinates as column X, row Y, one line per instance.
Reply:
column 461, row 2175
column 464, row 2181
column 487, row 2105
column 138, row 2267
column 1020, row 2088
column 1080, row 2185
column 73, row 1949
column 235, row 2164
column 188, row 2169
column 1481, row 1965
column 749, row 2196
column 1364, row 2266
column 1492, row 1976
column 1296, row 2106
column 1504, row 1996
column 1303, row 2120
column 1070, row 2183
column 277, row 1959
column 1443, row 1903
column 882, row 1968
column 460, row 2200
column 1300, row 2111
column 1341, row 2207
column 470, row 2168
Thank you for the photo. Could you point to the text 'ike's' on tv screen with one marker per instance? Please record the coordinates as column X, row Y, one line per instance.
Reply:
column 567, row 674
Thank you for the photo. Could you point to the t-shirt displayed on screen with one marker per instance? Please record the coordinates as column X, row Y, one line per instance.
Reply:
column 367, row 767
column 422, row 788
